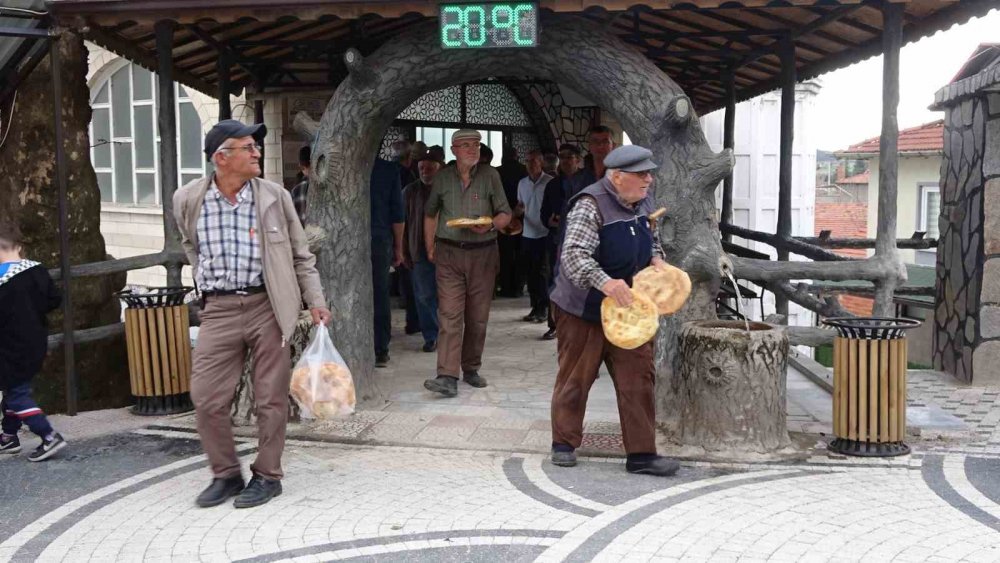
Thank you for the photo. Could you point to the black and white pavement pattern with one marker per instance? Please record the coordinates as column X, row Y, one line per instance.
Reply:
column 130, row 497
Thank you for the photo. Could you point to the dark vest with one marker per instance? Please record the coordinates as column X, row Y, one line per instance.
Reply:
column 626, row 247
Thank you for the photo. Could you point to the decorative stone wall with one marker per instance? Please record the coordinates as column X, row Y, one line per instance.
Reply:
column 986, row 359
column 967, row 318
column 567, row 124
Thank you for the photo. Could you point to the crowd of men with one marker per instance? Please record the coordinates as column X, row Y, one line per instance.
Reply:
column 573, row 235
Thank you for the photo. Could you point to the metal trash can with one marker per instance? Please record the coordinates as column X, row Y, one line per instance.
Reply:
column 869, row 386
column 159, row 349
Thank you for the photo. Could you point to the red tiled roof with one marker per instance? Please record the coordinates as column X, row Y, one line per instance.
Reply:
column 862, row 178
column 928, row 137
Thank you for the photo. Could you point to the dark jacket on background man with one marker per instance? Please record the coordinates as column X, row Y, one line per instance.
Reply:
column 27, row 294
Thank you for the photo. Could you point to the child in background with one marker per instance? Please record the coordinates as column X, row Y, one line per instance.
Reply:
column 27, row 294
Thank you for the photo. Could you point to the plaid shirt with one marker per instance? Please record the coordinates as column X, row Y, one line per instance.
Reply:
column 583, row 226
column 228, row 247
column 299, row 193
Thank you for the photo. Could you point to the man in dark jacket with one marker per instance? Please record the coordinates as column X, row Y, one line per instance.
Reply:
column 608, row 240
column 27, row 294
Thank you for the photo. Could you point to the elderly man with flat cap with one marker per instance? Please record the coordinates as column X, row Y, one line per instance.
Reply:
column 608, row 240
column 253, row 267
column 465, row 259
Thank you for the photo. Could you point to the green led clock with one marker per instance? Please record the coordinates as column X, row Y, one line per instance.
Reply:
column 489, row 25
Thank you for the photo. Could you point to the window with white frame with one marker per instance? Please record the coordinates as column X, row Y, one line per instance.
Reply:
column 125, row 140
column 930, row 209
column 442, row 136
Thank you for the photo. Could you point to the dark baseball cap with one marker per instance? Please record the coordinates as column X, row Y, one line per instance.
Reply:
column 231, row 129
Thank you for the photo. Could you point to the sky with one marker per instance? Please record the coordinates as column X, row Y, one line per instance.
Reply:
column 849, row 106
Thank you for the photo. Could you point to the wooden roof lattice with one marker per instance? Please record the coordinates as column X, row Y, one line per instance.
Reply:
column 294, row 45
column 298, row 45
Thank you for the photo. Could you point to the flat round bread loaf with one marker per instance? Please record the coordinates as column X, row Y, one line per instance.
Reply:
column 668, row 288
column 465, row 222
column 334, row 391
column 632, row 326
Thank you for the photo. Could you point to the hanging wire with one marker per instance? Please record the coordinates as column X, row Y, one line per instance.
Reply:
column 23, row 11
column 10, row 120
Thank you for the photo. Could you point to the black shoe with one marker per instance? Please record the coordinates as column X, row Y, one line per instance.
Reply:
column 530, row 317
column 430, row 346
column 474, row 379
column 549, row 335
column 447, row 386
column 258, row 491
column 411, row 330
column 563, row 459
column 48, row 448
column 10, row 446
column 381, row 360
column 220, row 490
column 659, row 466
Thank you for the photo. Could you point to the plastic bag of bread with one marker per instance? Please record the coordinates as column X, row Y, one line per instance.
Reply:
column 321, row 383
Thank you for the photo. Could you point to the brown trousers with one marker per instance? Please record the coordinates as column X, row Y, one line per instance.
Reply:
column 581, row 347
column 231, row 324
column 466, row 279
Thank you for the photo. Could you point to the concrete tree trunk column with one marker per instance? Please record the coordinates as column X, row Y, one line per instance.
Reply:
column 29, row 199
column 574, row 52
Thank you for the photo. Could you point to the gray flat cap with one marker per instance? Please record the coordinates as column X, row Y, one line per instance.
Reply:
column 630, row 158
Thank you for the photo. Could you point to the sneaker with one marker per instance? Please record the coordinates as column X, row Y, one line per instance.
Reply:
column 10, row 445
column 381, row 360
column 431, row 346
column 447, row 386
column 48, row 448
column 549, row 335
column 659, row 466
column 563, row 458
column 474, row 379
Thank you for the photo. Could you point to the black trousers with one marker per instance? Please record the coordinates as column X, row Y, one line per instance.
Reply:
column 510, row 278
column 535, row 253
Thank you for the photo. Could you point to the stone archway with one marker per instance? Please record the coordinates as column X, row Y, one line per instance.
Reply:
column 585, row 57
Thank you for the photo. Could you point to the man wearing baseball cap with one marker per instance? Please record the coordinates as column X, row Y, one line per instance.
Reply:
column 608, row 240
column 466, row 260
column 253, row 267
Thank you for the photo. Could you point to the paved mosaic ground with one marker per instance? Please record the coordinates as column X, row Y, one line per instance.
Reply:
column 129, row 497
column 427, row 479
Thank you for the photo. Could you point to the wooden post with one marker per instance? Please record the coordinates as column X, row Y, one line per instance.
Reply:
column 258, row 117
column 786, row 49
column 223, row 64
column 888, row 162
column 167, row 125
column 69, row 355
column 729, row 142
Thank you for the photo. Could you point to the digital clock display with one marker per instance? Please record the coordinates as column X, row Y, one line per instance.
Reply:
column 489, row 25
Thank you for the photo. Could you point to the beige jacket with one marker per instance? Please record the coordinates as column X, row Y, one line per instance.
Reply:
column 289, row 267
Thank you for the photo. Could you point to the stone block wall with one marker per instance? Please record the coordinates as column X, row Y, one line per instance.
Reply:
column 986, row 359
column 967, row 318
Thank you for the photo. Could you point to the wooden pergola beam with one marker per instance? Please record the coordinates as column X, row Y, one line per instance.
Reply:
column 786, row 50
column 144, row 58
column 166, row 122
column 888, row 165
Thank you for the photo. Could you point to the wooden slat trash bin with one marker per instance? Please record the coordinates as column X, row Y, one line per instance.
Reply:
column 159, row 349
column 869, row 386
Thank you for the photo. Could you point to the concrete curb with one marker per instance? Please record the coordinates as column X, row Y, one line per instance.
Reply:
column 821, row 375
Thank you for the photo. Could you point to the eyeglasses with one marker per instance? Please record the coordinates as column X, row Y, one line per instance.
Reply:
column 465, row 146
column 643, row 174
column 249, row 148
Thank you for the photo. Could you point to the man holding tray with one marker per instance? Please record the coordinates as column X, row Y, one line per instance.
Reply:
column 466, row 260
